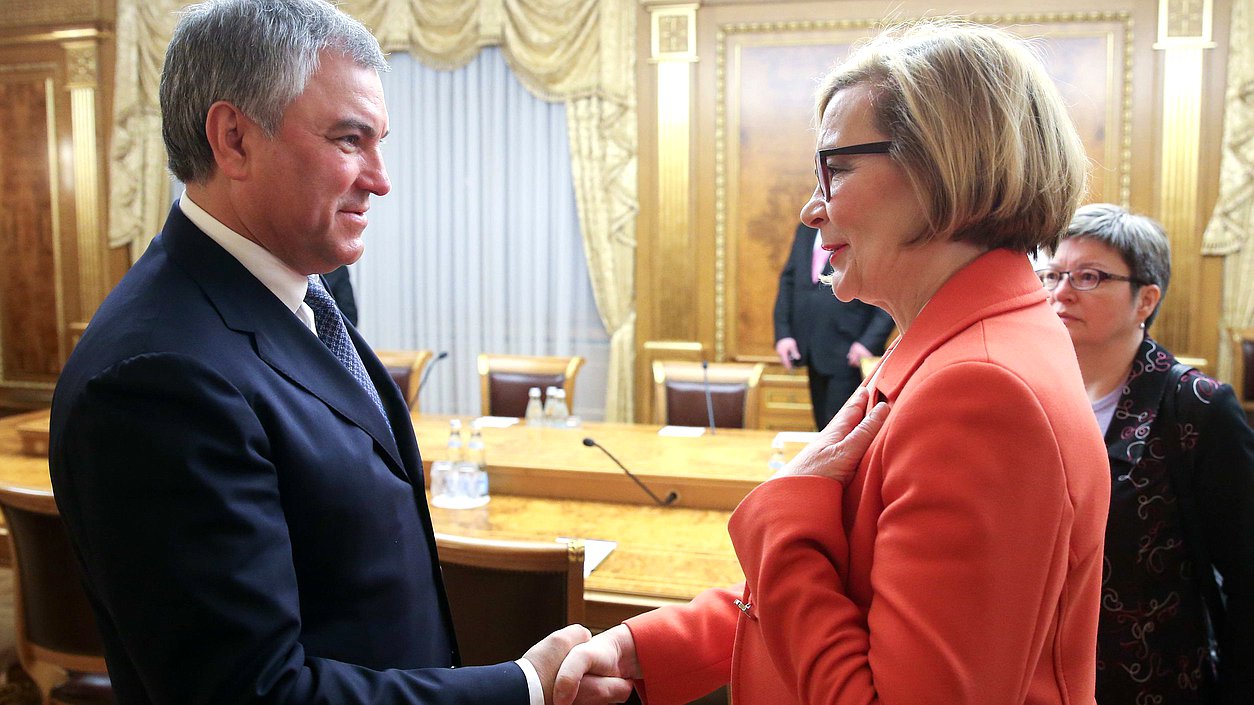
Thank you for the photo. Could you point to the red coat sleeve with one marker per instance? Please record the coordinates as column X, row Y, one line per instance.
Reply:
column 686, row 651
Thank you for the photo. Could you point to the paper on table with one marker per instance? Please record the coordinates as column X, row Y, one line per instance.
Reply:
column 594, row 551
column 681, row 431
column 795, row 436
column 496, row 421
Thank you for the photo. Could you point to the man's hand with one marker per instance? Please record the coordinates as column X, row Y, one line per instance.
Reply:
column 595, row 671
column 547, row 655
column 856, row 353
column 788, row 352
column 839, row 447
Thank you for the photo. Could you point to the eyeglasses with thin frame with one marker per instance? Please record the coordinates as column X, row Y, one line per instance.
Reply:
column 1082, row 279
column 824, row 175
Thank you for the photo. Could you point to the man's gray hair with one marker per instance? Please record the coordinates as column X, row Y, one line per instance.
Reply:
column 255, row 54
column 1139, row 240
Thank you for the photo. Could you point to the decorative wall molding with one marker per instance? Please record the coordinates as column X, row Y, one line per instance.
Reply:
column 29, row 13
column 1118, row 151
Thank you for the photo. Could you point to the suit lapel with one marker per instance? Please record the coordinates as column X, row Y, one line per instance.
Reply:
column 281, row 340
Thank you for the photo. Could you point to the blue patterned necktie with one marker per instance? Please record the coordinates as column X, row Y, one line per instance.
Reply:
column 334, row 335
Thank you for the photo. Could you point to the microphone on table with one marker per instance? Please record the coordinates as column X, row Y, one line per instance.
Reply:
column 670, row 498
column 709, row 401
column 427, row 372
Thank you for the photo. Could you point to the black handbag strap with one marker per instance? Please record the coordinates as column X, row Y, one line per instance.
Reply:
column 1181, row 467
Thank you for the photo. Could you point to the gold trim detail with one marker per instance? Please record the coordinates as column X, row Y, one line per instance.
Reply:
column 81, row 65
column 86, row 198
column 1183, row 71
column 673, row 60
column 60, row 35
column 673, row 33
column 1185, row 23
column 724, row 31
column 40, row 386
column 27, row 68
column 54, row 189
column 22, row 13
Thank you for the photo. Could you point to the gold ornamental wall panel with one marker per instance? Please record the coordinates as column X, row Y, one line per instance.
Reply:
column 764, row 140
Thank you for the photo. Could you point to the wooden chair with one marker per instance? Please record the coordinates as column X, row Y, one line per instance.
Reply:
column 406, row 367
column 679, row 393
column 505, row 379
column 506, row 596
column 58, row 643
column 1242, row 341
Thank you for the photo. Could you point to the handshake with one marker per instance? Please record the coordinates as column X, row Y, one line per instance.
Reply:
column 578, row 668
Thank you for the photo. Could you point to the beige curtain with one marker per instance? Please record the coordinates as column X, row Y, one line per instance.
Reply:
column 1231, row 228
column 139, row 185
column 580, row 52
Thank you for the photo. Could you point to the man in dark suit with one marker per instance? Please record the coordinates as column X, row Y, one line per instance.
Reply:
column 238, row 473
column 815, row 329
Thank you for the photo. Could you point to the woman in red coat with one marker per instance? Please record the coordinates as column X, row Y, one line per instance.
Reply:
column 955, row 557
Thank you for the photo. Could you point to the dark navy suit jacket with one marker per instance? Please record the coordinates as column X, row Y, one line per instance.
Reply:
column 250, row 530
column 823, row 326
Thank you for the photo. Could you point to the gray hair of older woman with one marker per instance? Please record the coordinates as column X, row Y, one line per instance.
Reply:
column 257, row 55
column 979, row 128
column 1140, row 241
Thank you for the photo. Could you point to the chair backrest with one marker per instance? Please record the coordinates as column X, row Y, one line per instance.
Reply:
column 54, row 621
column 505, row 379
column 507, row 595
column 680, row 386
column 1242, row 340
column 406, row 367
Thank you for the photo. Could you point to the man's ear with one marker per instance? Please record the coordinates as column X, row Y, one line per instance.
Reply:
column 228, row 131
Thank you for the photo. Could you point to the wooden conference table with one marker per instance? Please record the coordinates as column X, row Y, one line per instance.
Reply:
column 545, row 483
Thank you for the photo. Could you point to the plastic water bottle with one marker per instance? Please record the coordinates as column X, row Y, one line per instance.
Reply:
column 473, row 472
column 776, row 463
column 550, row 405
column 560, row 411
column 474, row 447
column 534, row 415
column 445, row 488
column 455, row 440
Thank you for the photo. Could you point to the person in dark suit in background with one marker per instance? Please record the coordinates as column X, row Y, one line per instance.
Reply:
column 816, row 330
column 341, row 289
column 238, row 473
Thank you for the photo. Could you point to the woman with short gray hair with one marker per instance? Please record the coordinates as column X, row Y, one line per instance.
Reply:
column 1177, row 610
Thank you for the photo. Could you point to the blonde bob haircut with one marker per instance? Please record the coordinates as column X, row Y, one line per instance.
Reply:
column 979, row 128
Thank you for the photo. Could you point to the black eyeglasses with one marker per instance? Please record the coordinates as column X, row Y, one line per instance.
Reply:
column 1083, row 279
column 824, row 175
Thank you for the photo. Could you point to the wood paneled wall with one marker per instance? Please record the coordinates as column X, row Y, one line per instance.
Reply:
column 726, row 103
column 724, row 106
column 55, row 268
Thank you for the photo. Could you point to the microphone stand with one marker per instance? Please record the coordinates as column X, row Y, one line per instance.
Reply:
column 427, row 372
column 670, row 498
